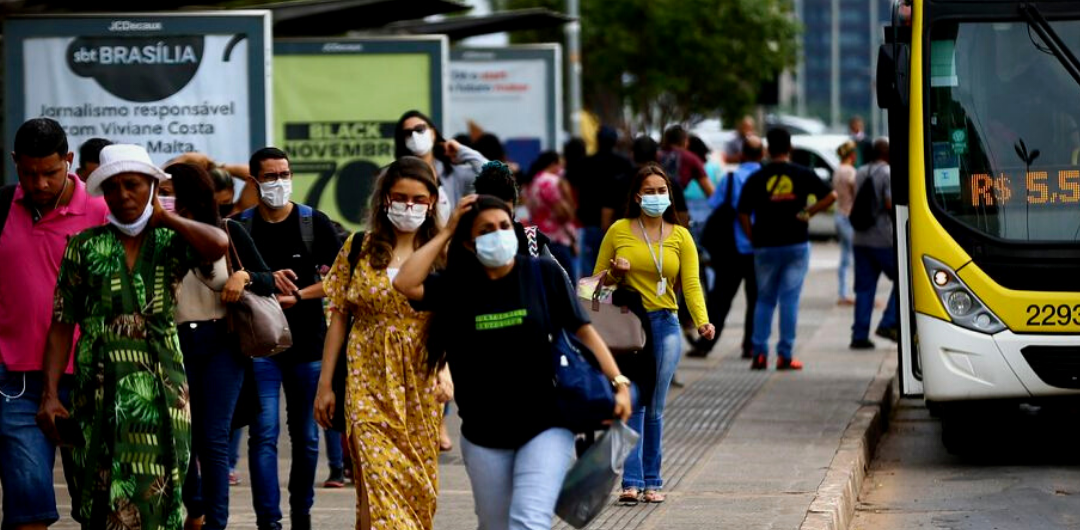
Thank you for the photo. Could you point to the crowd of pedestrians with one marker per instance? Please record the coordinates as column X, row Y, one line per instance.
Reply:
column 122, row 351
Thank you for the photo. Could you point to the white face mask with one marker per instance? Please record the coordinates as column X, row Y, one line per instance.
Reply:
column 137, row 227
column 420, row 143
column 276, row 194
column 238, row 189
column 407, row 219
column 497, row 248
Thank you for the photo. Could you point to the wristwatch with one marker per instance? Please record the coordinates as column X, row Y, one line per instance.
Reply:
column 296, row 294
column 620, row 381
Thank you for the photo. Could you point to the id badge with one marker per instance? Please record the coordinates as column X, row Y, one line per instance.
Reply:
column 661, row 287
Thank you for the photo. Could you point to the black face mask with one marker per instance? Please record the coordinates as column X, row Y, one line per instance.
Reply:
column 225, row 210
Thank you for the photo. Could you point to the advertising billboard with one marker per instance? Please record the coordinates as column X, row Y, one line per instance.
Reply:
column 514, row 93
column 337, row 102
column 173, row 83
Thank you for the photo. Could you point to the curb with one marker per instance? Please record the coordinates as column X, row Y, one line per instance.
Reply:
column 834, row 505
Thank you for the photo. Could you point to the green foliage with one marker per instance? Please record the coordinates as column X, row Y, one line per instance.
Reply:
column 674, row 60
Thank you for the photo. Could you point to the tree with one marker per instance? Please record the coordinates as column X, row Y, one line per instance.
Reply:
column 676, row 60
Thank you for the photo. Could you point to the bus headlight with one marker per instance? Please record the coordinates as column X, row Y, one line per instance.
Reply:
column 965, row 309
column 960, row 303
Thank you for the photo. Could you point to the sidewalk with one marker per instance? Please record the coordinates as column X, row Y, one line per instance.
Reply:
column 743, row 450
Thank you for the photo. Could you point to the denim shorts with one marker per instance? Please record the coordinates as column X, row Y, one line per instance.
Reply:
column 26, row 456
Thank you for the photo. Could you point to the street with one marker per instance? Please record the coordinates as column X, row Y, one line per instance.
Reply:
column 1025, row 474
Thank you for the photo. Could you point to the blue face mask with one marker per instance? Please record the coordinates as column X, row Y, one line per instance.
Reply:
column 655, row 205
column 497, row 248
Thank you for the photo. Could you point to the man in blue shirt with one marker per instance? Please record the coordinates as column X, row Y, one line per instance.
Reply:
column 737, row 265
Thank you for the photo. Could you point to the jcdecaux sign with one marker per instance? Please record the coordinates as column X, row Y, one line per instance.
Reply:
column 172, row 83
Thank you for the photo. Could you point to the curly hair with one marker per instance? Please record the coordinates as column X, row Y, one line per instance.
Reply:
column 497, row 180
column 378, row 248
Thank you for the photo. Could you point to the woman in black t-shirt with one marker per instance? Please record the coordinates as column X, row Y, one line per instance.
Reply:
column 489, row 321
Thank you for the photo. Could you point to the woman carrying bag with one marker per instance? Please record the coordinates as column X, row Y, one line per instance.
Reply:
column 650, row 252
column 495, row 335
column 213, row 362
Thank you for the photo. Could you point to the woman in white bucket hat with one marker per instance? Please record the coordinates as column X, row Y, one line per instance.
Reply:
column 129, row 426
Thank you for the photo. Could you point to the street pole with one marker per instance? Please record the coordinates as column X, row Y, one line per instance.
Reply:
column 573, row 64
column 800, row 68
column 875, row 42
column 834, row 60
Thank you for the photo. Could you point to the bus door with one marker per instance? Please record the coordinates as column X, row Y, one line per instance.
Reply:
column 893, row 94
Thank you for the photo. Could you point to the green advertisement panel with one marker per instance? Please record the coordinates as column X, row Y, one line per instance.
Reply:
column 336, row 105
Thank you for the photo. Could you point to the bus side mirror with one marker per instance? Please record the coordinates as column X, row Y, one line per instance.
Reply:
column 893, row 76
column 894, row 68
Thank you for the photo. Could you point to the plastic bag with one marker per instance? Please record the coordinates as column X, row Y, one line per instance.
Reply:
column 586, row 490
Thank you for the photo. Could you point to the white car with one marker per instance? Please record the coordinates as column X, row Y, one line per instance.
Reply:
column 818, row 152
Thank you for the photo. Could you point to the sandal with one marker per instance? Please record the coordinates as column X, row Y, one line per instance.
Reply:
column 630, row 497
column 654, row 497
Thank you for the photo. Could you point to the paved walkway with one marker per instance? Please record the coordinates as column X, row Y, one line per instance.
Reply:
column 744, row 449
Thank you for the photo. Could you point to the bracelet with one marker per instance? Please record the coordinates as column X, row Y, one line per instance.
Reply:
column 296, row 295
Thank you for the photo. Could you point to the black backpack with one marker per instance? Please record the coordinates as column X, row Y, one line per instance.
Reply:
column 863, row 210
column 718, row 237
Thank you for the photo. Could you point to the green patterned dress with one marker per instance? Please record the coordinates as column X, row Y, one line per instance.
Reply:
column 131, row 396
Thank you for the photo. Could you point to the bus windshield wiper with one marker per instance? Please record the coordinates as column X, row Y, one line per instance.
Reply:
column 1050, row 37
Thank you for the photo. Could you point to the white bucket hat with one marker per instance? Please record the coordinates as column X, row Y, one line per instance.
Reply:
column 122, row 158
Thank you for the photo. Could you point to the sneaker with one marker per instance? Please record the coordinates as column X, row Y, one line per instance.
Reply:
column 861, row 344
column 788, row 364
column 761, row 362
column 336, row 479
column 234, row 478
column 892, row 334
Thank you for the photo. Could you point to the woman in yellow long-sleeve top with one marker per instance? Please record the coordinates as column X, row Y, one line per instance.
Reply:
column 649, row 252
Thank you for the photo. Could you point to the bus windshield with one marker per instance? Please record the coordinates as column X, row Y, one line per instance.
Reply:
column 1005, row 130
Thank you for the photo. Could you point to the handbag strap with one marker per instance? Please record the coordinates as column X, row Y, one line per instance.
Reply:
column 530, row 237
column 538, row 280
column 232, row 250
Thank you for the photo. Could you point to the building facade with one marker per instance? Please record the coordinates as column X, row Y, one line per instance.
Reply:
column 835, row 76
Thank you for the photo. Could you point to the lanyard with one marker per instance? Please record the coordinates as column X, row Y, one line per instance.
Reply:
column 661, row 286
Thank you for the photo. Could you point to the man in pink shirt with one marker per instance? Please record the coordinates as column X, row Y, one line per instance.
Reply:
column 48, row 205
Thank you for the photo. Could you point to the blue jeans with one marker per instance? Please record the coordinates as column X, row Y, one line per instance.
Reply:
column 215, row 372
column 589, row 242
column 780, row 273
column 517, row 489
column 335, row 454
column 869, row 264
column 846, row 233
column 300, row 381
column 26, row 456
column 642, row 468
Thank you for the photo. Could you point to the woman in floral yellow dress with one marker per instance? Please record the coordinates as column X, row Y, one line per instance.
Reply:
column 393, row 396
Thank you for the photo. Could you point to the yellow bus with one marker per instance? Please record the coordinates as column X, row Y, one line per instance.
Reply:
column 984, row 119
